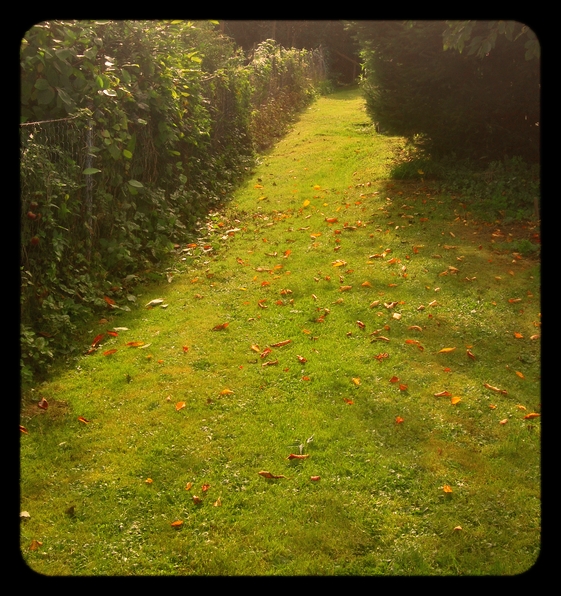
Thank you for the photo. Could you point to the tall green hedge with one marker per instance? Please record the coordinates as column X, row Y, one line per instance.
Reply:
column 131, row 131
column 484, row 106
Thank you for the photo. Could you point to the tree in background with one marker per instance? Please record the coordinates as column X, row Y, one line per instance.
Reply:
column 481, row 104
column 341, row 48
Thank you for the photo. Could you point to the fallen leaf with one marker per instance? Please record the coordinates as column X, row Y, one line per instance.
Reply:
column 356, row 381
column 109, row 301
column 443, row 394
column 455, row 400
column 302, row 359
column 217, row 503
column 519, row 407
column 416, row 327
column 226, row 392
column 220, row 327
column 23, row 429
column 266, row 474
column 503, row 422
column 197, row 500
column 294, row 456
column 82, row 419
column 97, row 339
column 518, row 335
column 177, row 523
column 303, row 378
column 281, row 343
column 394, row 379
column 185, row 348
column 532, row 415
column 265, row 352
column 270, row 363
column 446, row 350
column 361, row 324
column 43, row 404
column 398, row 419
column 348, row 401
column 134, row 344
column 113, row 333
column 402, row 387
column 446, row 488
column 154, row 302
column 35, row 544
column 149, row 481
column 494, row 388
column 315, row 478
column 470, row 354
column 188, row 486
column 345, row 288
column 205, row 487
column 179, row 405
column 109, row 352
column 520, row 374
column 458, row 528
column 493, row 406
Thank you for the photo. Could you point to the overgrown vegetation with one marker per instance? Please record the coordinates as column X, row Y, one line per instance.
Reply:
column 131, row 131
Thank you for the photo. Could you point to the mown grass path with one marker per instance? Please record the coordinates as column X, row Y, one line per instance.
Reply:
column 372, row 329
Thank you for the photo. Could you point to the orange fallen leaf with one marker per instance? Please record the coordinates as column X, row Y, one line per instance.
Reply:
column 520, row 374
column 35, row 544
column 348, row 401
column 177, row 523
column 443, row 394
column 266, row 474
column 315, row 478
column 109, row 301
column 220, row 327
column 503, row 422
column 514, row 300
column 519, row 407
column 398, row 419
column 109, row 352
column 493, row 406
column 446, row 350
column 185, row 348
column 205, row 487
column 23, row 429
column 43, row 404
column 179, row 405
column 305, row 378
column 82, row 419
column 345, row 288
column 135, row 344
column 530, row 416
column 455, row 400
column 458, row 528
column 402, row 387
column 226, row 392
column 470, row 354
column 356, row 381
column 97, row 339
column 394, row 379
column 270, row 363
column 294, row 456
column 197, row 500
column 265, row 352
column 446, row 488
column 361, row 324
column 188, row 486
column 149, row 481
column 331, row 219
column 494, row 388
column 518, row 335
column 302, row 359
column 281, row 343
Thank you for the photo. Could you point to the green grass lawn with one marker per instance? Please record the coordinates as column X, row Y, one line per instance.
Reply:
column 390, row 302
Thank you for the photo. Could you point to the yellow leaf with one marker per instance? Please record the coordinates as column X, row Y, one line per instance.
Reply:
column 446, row 350
column 455, row 400
column 180, row 405
column 447, row 489
column 226, row 392
column 520, row 374
column 356, row 380
column 305, row 203
column 148, row 481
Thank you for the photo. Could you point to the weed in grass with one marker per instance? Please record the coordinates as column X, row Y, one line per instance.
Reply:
column 293, row 372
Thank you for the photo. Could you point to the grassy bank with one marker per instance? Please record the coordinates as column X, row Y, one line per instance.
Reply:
column 373, row 327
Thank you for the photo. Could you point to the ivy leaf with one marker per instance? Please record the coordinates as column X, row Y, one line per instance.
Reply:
column 136, row 184
column 89, row 171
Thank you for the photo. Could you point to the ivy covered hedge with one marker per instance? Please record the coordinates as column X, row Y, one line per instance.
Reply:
column 131, row 131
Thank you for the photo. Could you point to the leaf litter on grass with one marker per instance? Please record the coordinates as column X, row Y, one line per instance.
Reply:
column 337, row 339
